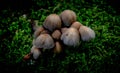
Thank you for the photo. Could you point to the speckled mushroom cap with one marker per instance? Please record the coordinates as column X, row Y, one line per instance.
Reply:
column 68, row 17
column 52, row 22
column 71, row 37
column 44, row 41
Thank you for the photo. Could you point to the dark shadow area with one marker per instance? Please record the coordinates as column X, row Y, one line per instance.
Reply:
column 115, row 4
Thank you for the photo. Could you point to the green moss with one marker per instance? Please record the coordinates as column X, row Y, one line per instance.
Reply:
column 100, row 55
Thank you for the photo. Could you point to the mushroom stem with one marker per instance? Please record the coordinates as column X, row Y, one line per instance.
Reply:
column 58, row 47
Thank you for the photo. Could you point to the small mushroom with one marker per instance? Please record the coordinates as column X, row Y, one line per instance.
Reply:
column 58, row 47
column 52, row 22
column 44, row 41
column 71, row 37
column 76, row 25
column 56, row 35
column 86, row 33
column 36, row 53
column 68, row 17
column 27, row 56
column 38, row 31
column 32, row 49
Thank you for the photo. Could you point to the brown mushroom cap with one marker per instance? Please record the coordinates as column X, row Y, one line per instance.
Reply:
column 27, row 57
column 44, row 41
column 56, row 35
column 52, row 22
column 38, row 32
column 64, row 29
column 68, row 17
column 86, row 33
column 45, row 32
column 76, row 25
column 71, row 37
column 58, row 47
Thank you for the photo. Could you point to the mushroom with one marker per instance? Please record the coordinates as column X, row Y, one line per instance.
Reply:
column 52, row 22
column 45, row 32
column 71, row 37
column 56, row 35
column 68, row 17
column 64, row 29
column 38, row 31
column 58, row 47
column 36, row 53
column 76, row 25
column 44, row 41
column 86, row 33
column 27, row 56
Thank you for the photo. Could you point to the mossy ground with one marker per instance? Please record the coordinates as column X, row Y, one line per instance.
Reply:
column 100, row 55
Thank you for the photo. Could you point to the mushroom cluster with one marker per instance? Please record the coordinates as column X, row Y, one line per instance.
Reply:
column 59, row 30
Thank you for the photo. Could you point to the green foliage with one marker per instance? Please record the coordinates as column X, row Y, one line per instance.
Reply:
column 100, row 55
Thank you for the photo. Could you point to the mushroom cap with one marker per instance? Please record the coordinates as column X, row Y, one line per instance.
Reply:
column 32, row 49
column 27, row 57
column 56, row 35
column 76, row 25
column 38, row 31
column 86, row 33
column 52, row 22
column 71, row 37
column 45, row 32
column 64, row 29
column 44, row 41
column 68, row 17
column 36, row 53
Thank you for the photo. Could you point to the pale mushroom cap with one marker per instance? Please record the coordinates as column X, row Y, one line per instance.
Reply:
column 44, row 41
column 76, row 25
column 68, row 17
column 33, row 42
column 36, row 53
column 71, row 37
column 86, row 33
column 56, row 34
column 38, row 32
column 32, row 49
column 52, row 22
